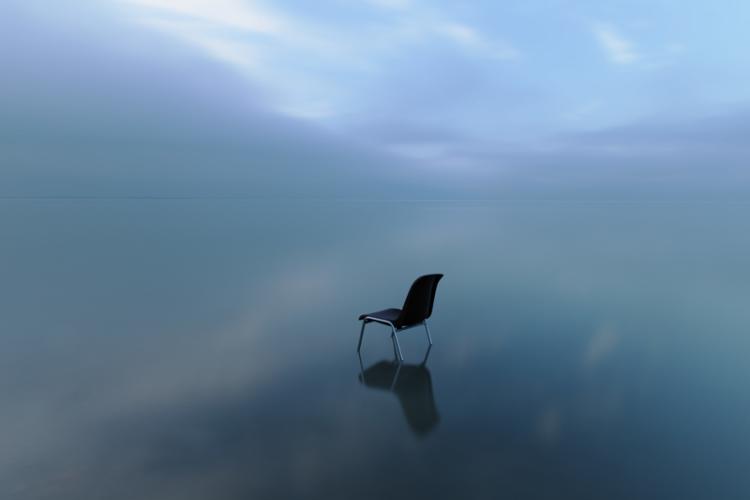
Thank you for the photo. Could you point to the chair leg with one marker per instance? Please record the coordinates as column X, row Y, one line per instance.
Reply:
column 426, row 355
column 361, row 334
column 361, row 369
column 429, row 339
column 396, row 344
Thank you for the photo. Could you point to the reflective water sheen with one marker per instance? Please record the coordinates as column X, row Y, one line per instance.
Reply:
column 192, row 349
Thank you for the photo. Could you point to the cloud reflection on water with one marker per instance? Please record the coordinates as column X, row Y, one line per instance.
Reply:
column 224, row 362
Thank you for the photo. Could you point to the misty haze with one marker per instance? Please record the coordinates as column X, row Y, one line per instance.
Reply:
column 199, row 198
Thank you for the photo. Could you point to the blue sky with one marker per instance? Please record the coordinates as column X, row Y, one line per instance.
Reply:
column 521, row 70
column 461, row 87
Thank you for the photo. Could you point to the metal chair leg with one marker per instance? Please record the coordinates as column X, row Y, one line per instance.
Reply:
column 429, row 339
column 395, row 343
column 361, row 369
column 361, row 334
column 426, row 355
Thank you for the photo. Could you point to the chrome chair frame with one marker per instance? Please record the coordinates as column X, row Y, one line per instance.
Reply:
column 394, row 330
column 416, row 310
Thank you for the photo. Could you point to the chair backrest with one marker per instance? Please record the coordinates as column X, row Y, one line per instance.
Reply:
column 419, row 300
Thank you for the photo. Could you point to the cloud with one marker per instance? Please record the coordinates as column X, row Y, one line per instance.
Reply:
column 619, row 49
column 583, row 111
column 308, row 66
column 391, row 4
column 263, row 46
column 232, row 13
column 177, row 123
column 236, row 53
column 717, row 134
column 469, row 38
column 170, row 123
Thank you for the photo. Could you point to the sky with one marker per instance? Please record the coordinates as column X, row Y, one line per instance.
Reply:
column 469, row 94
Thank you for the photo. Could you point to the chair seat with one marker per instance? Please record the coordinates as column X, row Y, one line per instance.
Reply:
column 386, row 315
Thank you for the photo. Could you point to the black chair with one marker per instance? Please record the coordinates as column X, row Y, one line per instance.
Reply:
column 417, row 308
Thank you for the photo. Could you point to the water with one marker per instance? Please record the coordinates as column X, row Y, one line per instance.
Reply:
column 185, row 349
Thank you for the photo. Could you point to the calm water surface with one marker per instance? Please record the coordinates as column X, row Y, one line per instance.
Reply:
column 205, row 349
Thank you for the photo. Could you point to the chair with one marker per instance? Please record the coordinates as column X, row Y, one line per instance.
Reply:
column 417, row 308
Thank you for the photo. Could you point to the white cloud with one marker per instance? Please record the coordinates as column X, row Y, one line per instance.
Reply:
column 232, row 19
column 303, row 64
column 232, row 13
column 236, row 53
column 460, row 33
column 391, row 4
column 619, row 49
column 471, row 39
column 259, row 43
column 584, row 111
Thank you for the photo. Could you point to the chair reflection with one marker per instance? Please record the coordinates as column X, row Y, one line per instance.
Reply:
column 412, row 385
